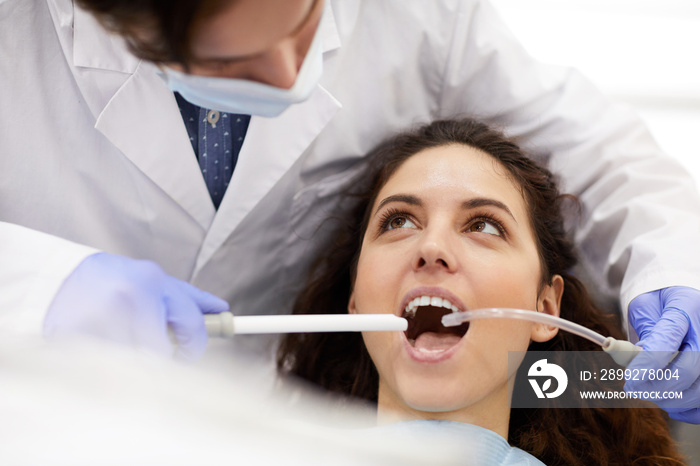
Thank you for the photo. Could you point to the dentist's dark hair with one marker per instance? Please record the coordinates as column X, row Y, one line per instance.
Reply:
column 340, row 363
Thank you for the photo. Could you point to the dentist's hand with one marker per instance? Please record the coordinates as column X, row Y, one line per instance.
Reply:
column 668, row 320
column 132, row 302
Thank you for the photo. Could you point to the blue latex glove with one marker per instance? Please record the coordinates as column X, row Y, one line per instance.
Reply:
column 132, row 302
column 668, row 320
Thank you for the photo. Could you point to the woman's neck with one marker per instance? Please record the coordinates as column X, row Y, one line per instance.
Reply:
column 492, row 413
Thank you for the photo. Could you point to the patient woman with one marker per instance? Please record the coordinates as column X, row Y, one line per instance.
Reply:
column 448, row 218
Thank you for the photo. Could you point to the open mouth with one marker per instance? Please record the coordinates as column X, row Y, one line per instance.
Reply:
column 425, row 330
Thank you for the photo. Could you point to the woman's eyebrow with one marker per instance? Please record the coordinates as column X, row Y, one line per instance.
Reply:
column 483, row 201
column 405, row 198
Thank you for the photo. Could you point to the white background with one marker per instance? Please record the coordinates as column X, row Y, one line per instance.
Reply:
column 642, row 52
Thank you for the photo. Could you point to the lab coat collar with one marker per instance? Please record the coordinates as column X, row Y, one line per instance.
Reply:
column 96, row 48
column 329, row 29
column 143, row 121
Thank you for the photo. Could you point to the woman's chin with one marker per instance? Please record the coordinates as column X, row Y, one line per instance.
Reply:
column 445, row 401
column 440, row 405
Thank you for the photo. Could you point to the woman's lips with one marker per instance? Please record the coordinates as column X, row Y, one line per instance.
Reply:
column 430, row 347
column 430, row 342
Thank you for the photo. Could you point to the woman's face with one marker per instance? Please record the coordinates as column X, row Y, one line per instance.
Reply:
column 451, row 229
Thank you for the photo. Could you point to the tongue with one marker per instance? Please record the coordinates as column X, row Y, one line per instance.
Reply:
column 430, row 341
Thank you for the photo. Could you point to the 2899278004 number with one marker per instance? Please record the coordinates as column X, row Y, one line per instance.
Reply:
column 638, row 374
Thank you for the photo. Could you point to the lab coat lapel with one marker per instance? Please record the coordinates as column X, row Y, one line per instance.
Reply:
column 140, row 117
column 144, row 122
column 270, row 148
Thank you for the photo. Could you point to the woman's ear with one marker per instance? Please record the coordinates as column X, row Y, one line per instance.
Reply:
column 549, row 302
column 351, row 304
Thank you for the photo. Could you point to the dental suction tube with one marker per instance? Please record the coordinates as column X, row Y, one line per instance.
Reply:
column 621, row 351
column 225, row 325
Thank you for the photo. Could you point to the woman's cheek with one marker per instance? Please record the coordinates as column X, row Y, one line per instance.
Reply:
column 508, row 285
column 377, row 279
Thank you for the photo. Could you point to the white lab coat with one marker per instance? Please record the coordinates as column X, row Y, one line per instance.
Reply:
column 94, row 155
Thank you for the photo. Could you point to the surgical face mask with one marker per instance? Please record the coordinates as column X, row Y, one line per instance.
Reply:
column 249, row 97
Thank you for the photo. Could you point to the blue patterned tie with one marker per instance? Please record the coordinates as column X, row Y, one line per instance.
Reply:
column 216, row 139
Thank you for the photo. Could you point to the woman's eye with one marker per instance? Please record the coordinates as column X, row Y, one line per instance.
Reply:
column 399, row 222
column 482, row 226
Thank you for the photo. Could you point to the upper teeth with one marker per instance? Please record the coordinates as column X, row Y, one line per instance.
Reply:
column 434, row 301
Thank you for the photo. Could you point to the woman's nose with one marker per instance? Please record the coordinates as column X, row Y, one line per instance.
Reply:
column 434, row 253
